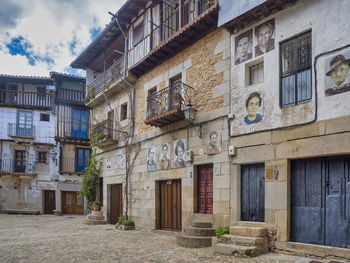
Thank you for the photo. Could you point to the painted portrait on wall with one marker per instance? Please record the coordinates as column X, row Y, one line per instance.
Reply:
column 180, row 147
column 265, row 37
column 244, row 47
column 151, row 158
column 108, row 162
column 214, row 145
column 120, row 161
column 253, row 106
column 164, row 157
column 337, row 74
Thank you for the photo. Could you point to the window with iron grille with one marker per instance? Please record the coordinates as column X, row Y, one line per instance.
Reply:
column 42, row 157
column 295, row 70
column 124, row 112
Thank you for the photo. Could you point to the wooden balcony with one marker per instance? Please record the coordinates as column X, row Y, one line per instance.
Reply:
column 17, row 167
column 68, row 130
column 108, row 132
column 179, row 28
column 166, row 106
column 70, row 96
column 21, row 130
column 25, row 99
column 68, row 166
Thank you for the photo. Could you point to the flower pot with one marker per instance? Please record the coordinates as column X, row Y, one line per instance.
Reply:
column 108, row 136
column 96, row 207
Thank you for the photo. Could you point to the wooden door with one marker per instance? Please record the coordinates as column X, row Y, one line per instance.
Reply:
column 72, row 203
column 205, row 189
column 20, row 161
column 49, row 201
column 253, row 192
column 110, row 124
column 116, row 208
column 320, row 201
column 176, row 92
column 170, row 205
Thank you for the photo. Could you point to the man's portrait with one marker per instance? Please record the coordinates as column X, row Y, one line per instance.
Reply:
column 151, row 158
column 108, row 162
column 179, row 153
column 164, row 157
column 252, row 104
column 214, row 145
column 244, row 47
column 337, row 71
column 265, row 37
column 120, row 161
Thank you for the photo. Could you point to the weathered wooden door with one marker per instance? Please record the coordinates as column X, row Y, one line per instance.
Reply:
column 116, row 208
column 170, row 205
column 320, row 201
column 72, row 203
column 253, row 192
column 49, row 201
column 205, row 189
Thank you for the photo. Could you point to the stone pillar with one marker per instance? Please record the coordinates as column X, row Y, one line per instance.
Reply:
column 235, row 194
column 58, row 210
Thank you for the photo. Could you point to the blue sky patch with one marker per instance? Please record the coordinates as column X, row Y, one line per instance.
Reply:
column 73, row 46
column 94, row 32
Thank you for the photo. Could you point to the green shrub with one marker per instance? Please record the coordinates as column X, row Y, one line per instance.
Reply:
column 223, row 230
column 121, row 219
column 97, row 203
column 128, row 223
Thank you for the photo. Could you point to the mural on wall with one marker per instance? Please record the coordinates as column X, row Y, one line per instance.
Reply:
column 108, row 162
column 214, row 145
column 151, row 158
column 244, row 47
column 253, row 105
column 337, row 74
column 164, row 157
column 265, row 37
column 120, row 161
column 180, row 147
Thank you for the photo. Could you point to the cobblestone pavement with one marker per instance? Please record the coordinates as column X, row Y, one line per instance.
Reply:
column 26, row 238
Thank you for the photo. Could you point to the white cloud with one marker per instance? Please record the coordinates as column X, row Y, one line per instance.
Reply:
column 50, row 26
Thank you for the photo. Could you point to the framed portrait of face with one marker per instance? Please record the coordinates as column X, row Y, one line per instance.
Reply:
column 244, row 47
column 264, row 37
column 253, row 105
column 337, row 73
column 151, row 158
column 180, row 147
column 108, row 162
column 214, row 144
column 164, row 156
column 120, row 161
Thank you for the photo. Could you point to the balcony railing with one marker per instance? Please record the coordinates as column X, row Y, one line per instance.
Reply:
column 114, row 72
column 64, row 95
column 168, row 27
column 108, row 130
column 24, row 98
column 21, row 130
column 174, row 97
column 9, row 165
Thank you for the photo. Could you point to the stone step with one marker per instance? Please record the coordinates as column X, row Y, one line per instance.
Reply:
column 198, row 231
column 201, row 224
column 248, row 223
column 243, row 240
column 234, row 250
column 248, row 231
column 96, row 213
column 93, row 222
column 96, row 217
column 193, row 241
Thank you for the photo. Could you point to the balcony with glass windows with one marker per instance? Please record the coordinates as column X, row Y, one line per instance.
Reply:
column 106, row 133
column 167, row 105
column 17, row 166
column 179, row 27
column 21, row 130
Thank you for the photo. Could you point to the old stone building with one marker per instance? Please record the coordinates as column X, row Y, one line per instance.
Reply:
column 228, row 113
column 31, row 177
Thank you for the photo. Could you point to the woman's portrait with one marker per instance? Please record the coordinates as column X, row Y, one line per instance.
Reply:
column 179, row 153
column 164, row 157
column 252, row 105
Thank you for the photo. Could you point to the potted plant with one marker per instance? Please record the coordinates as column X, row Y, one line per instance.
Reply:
column 96, row 206
column 125, row 224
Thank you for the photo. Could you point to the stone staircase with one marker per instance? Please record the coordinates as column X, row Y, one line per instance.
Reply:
column 246, row 239
column 95, row 218
column 199, row 234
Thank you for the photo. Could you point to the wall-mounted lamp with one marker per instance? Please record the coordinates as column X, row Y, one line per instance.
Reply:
column 190, row 114
column 53, row 154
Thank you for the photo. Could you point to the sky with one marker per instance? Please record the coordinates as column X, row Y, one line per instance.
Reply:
column 39, row 36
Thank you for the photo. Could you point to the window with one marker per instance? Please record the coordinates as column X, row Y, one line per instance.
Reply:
column 42, row 157
column 124, row 112
column 82, row 160
column 20, row 161
column 137, row 34
column 44, row 117
column 24, row 124
column 295, row 70
column 256, row 74
column 80, row 123
column 152, row 106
